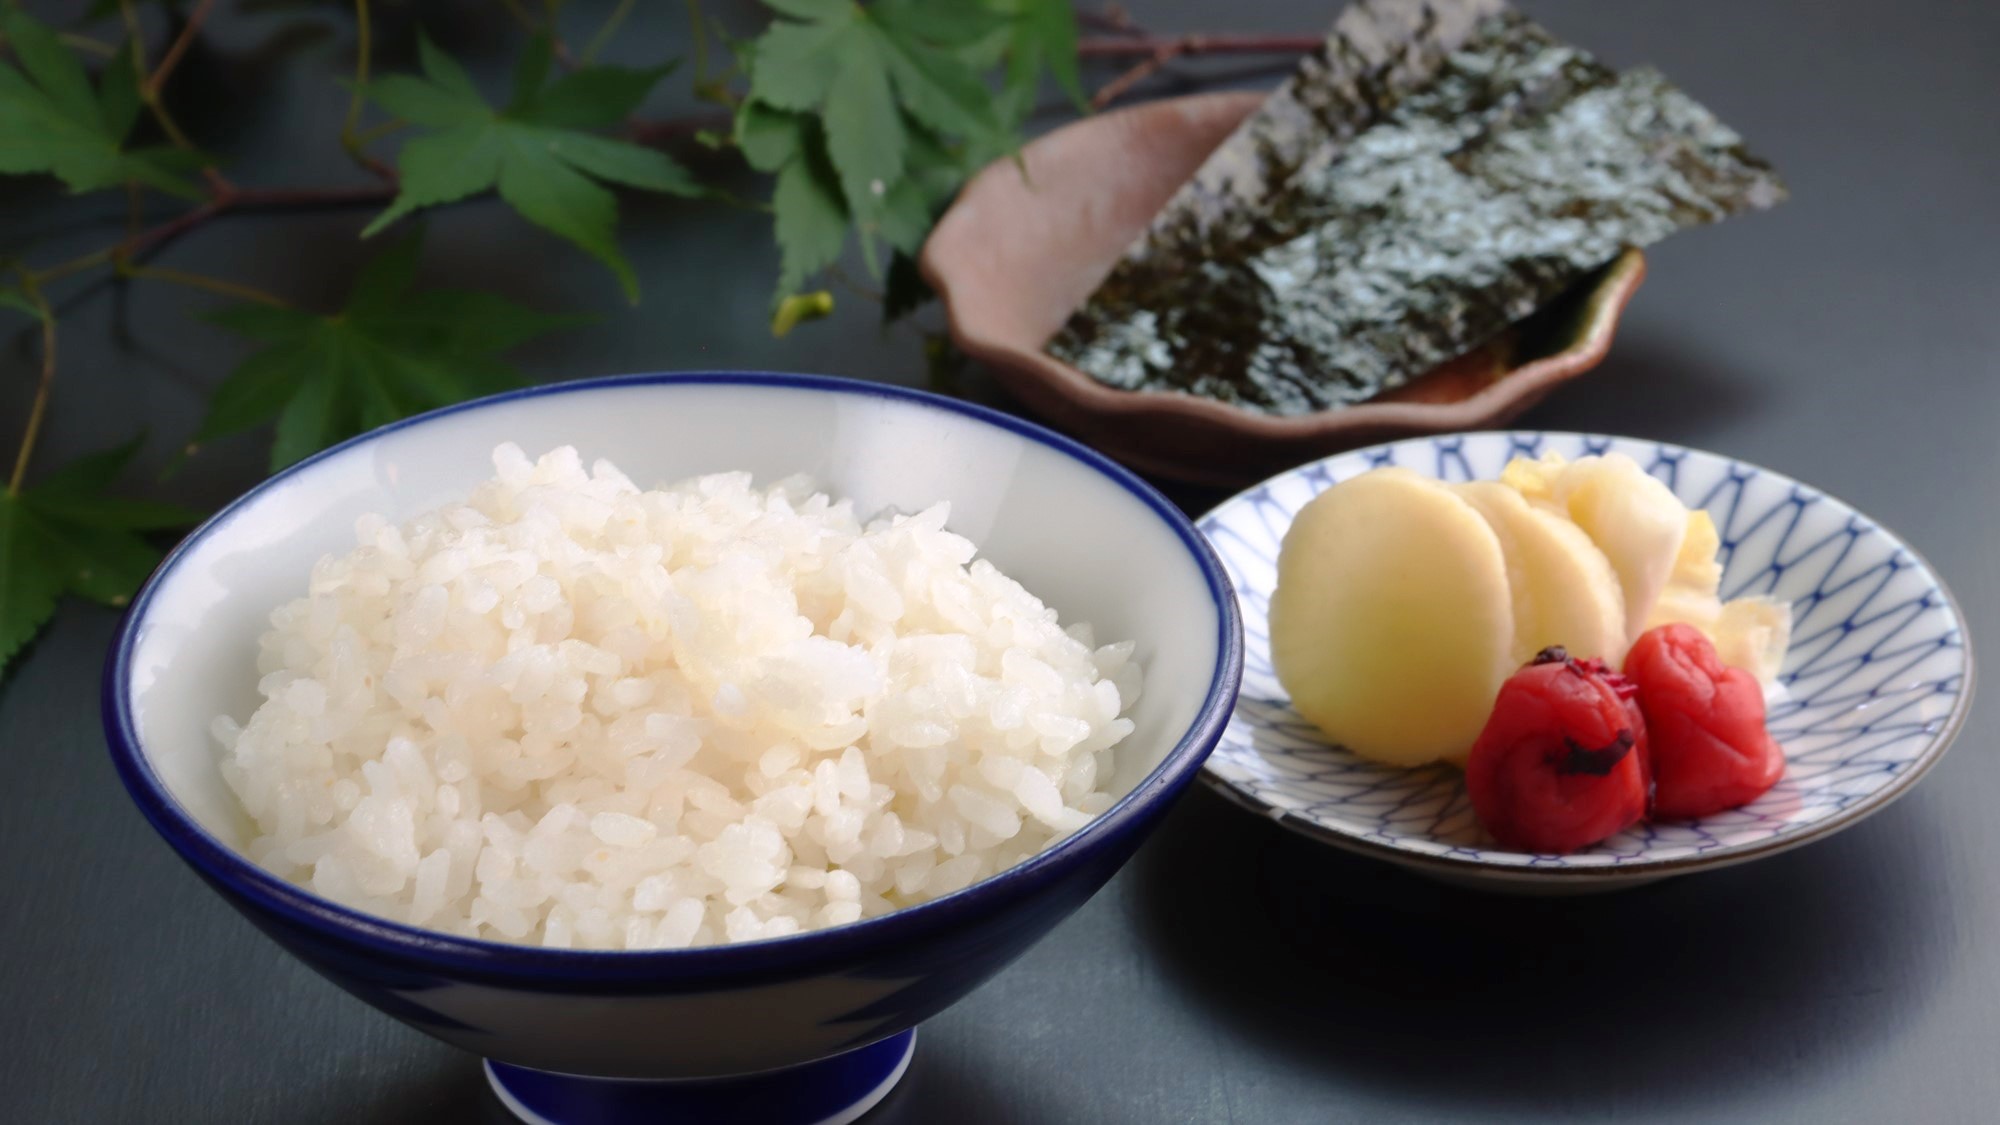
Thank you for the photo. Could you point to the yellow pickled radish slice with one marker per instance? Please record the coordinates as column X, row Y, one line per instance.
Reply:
column 1753, row 633
column 1698, row 569
column 1391, row 624
column 1534, row 479
column 1563, row 588
column 1634, row 519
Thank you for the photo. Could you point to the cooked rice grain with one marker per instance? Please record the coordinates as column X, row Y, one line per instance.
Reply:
column 577, row 714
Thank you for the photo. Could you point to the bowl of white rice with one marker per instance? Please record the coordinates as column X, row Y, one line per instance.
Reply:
column 678, row 743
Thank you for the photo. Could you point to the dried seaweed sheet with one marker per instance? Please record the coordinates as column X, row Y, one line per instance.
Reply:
column 1438, row 171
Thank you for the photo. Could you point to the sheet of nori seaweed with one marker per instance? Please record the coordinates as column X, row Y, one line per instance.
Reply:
column 1439, row 171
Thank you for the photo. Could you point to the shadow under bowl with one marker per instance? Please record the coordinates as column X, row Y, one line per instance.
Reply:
column 1026, row 244
column 1093, row 541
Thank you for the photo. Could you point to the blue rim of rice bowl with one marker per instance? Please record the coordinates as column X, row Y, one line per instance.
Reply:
column 524, row 965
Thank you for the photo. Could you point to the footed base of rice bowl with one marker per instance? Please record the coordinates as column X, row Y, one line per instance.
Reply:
column 831, row 1091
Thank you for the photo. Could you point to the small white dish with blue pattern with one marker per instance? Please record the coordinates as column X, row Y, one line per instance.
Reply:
column 1878, row 680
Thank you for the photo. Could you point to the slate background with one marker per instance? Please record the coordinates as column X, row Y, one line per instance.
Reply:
column 1233, row 972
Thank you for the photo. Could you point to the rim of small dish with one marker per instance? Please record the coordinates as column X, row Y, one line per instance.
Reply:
column 1638, row 869
column 525, row 965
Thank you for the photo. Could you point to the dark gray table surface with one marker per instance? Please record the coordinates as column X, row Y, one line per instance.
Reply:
column 1233, row 972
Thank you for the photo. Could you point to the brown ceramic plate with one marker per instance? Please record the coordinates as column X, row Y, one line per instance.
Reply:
column 1018, row 252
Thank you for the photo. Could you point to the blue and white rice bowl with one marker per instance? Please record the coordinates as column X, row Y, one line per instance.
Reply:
column 1085, row 535
column 1878, row 680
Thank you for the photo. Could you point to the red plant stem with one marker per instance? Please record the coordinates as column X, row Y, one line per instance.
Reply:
column 1112, row 18
column 1161, row 51
column 172, row 228
column 1199, row 43
column 678, row 128
column 224, row 201
column 1118, row 87
column 224, row 197
column 44, row 383
column 265, row 198
column 180, row 46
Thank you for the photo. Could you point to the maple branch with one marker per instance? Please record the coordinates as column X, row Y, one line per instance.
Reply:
column 202, row 282
column 151, row 243
column 180, row 46
column 221, row 202
column 1120, row 86
column 520, row 15
column 76, row 265
column 265, row 199
column 1198, row 43
column 671, row 129
column 558, row 49
column 700, row 29
column 605, row 30
column 354, row 141
column 377, row 131
column 43, row 384
column 96, row 47
column 150, row 94
column 363, row 41
column 1112, row 18
column 166, row 232
column 1159, row 52
column 236, row 199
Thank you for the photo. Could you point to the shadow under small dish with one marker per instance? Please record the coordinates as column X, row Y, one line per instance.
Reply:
column 1026, row 244
column 814, row 1027
column 1877, row 682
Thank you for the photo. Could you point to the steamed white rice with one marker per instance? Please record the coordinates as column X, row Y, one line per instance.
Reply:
column 577, row 714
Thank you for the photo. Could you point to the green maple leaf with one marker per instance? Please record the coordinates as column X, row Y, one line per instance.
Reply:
column 862, row 69
column 390, row 352
column 67, row 535
column 769, row 138
column 534, row 150
column 51, row 120
column 1041, row 37
column 866, row 115
column 872, row 117
column 807, row 204
column 935, row 173
column 810, row 216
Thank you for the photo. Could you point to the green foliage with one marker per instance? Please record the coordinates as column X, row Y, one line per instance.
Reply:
column 535, row 150
column 1042, row 38
column 52, row 120
column 867, row 117
column 388, row 353
column 19, row 302
column 68, row 535
column 871, row 117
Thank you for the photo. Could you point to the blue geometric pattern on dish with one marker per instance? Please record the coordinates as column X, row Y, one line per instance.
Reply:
column 1877, row 678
